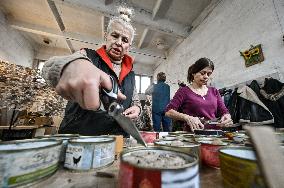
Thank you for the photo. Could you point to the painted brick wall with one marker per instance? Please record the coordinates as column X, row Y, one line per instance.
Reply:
column 14, row 48
column 233, row 25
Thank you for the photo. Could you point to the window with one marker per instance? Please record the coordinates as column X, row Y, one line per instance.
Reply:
column 142, row 83
column 40, row 66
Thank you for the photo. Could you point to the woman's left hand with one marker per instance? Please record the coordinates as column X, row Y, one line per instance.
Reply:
column 132, row 112
column 226, row 121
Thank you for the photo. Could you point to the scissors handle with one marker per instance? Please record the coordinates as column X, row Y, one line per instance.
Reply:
column 107, row 97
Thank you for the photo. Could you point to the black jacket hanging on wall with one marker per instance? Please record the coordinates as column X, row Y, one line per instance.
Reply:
column 246, row 107
column 273, row 94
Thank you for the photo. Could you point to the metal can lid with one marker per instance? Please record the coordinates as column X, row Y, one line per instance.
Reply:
column 246, row 153
column 184, row 160
column 92, row 139
column 28, row 144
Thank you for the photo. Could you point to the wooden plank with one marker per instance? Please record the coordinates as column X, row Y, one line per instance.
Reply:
column 21, row 127
column 269, row 155
column 63, row 178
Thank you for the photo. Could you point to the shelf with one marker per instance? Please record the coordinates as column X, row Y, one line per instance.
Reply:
column 21, row 127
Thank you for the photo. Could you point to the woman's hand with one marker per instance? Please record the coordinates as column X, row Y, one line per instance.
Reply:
column 132, row 112
column 193, row 122
column 226, row 121
column 81, row 82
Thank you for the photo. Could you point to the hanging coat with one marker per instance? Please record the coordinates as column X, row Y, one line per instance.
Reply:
column 246, row 107
column 273, row 94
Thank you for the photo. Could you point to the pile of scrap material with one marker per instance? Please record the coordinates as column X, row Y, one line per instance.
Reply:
column 23, row 88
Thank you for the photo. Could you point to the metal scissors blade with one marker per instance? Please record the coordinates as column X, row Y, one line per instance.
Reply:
column 114, row 109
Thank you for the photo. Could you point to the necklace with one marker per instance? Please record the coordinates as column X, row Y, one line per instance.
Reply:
column 117, row 69
column 199, row 91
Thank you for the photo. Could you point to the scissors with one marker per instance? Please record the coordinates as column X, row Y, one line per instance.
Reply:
column 114, row 109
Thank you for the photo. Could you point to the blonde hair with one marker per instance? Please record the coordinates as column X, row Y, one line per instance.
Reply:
column 124, row 18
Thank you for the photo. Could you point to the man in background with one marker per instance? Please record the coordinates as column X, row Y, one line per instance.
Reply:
column 160, row 99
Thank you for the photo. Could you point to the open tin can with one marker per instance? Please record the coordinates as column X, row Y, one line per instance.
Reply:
column 159, row 168
column 180, row 146
column 239, row 168
column 26, row 161
column 210, row 153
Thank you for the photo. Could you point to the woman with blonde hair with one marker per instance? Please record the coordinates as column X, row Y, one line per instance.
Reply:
column 79, row 77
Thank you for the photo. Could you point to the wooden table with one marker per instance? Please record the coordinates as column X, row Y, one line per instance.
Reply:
column 35, row 130
column 63, row 178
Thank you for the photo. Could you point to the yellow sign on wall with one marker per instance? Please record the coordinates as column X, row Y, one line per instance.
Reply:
column 253, row 55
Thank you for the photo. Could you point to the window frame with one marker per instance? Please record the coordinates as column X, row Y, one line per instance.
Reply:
column 140, row 82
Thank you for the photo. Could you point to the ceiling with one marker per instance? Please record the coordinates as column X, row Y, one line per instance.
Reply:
column 59, row 27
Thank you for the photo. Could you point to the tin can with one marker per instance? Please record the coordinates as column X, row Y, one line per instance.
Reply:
column 178, row 133
column 280, row 136
column 210, row 153
column 132, row 175
column 87, row 153
column 188, row 137
column 186, row 147
column 212, row 132
column 169, row 138
column 149, row 137
column 65, row 138
column 26, row 161
column 239, row 168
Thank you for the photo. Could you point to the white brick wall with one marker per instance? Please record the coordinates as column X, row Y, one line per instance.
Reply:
column 14, row 48
column 232, row 26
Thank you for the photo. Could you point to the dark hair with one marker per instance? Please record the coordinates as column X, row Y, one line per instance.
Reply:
column 198, row 66
column 161, row 76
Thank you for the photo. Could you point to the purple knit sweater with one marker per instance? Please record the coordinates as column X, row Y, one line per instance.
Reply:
column 210, row 106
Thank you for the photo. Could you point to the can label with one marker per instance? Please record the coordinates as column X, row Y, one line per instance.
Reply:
column 2, row 170
column 28, row 166
column 103, row 154
column 186, row 178
column 240, row 173
column 73, row 157
column 149, row 137
column 131, row 176
column 85, row 157
column 210, row 155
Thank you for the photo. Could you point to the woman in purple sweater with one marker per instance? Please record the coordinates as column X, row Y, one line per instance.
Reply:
column 197, row 101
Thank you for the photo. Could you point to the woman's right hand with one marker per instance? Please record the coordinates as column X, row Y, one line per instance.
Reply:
column 81, row 82
column 193, row 122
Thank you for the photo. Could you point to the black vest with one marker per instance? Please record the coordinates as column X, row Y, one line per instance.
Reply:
column 88, row 122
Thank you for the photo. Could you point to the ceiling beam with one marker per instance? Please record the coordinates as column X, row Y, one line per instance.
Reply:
column 32, row 28
column 205, row 13
column 141, row 17
column 45, row 31
column 161, row 8
column 70, row 46
column 56, row 14
column 41, row 30
column 145, row 38
column 60, row 23
column 105, row 23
